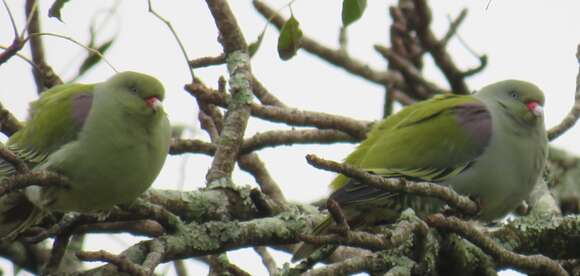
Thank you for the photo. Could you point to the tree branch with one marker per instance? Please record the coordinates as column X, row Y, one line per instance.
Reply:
column 291, row 116
column 531, row 264
column 238, row 60
column 574, row 113
column 462, row 203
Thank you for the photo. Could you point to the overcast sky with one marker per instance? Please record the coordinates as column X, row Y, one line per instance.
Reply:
column 524, row 39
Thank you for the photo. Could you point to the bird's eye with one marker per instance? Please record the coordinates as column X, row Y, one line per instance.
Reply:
column 514, row 95
column 133, row 88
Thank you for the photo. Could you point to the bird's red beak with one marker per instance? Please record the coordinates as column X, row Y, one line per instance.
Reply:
column 154, row 103
column 536, row 108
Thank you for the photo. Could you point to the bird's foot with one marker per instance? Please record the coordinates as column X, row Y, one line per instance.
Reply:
column 66, row 224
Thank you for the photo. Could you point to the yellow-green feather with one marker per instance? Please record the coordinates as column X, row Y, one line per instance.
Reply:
column 49, row 128
column 387, row 136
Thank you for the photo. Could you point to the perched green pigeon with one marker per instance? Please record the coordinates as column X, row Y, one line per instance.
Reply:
column 490, row 145
column 109, row 139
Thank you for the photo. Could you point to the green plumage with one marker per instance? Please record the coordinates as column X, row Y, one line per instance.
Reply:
column 109, row 139
column 428, row 119
column 491, row 145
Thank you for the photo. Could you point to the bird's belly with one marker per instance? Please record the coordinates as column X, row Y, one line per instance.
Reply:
column 116, row 178
column 499, row 184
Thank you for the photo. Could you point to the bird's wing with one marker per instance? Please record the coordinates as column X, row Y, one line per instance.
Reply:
column 55, row 119
column 430, row 141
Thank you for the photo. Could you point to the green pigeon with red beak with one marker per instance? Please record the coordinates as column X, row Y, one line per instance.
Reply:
column 109, row 140
column 491, row 146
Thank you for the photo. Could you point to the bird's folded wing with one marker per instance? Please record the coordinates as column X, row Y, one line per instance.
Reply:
column 56, row 119
column 421, row 143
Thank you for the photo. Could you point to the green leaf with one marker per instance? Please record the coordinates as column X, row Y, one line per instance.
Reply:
column 54, row 10
column 289, row 39
column 92, row 59
column 254, row 46
column 352, row 11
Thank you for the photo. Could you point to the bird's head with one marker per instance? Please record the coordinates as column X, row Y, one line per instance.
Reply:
column 520, row 100
column 140, row 92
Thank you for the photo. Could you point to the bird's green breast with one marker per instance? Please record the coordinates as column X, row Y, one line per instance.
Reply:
column 121, row 156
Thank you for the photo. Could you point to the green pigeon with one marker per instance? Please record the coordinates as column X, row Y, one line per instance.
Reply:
column 109, row 139
column 490, row 146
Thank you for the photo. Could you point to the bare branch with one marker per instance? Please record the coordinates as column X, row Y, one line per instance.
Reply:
column 265, row 97
column 531, row 264
column 429, row 41
column 267, row 259
column 236, row 119
column 57, row 253
column 409, row 69
column 38, row 178
column 121, row 262
column 574, row 113
column 462, row 203
column 403, row 232
column 372, row 263
column 207, row 61
column 174, row 33
column 336, row 57
column 275, row 138
column 291, row 116
column 8, row 123
column 453, row 27
column 252, row 164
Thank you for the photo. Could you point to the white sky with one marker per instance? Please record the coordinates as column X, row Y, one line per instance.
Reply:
column 525, row 39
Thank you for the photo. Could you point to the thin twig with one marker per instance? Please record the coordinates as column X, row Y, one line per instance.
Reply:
column 291, row 116
column 453, row 26
column 207, row 61
column 336, row 57
column 252, row 164
column 121, row 262
column 11, row 17
column 408, row 68
column 58, row 251
column 265, row 97
column 94, row 51
column 430, row 43
column 574, row 113
column 267, row 259
column 181, row 47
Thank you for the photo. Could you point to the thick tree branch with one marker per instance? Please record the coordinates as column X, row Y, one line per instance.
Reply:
column 531, row 264
column 236, row 119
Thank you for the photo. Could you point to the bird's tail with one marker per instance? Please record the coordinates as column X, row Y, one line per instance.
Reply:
column 17, row 214
column 306, row 249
